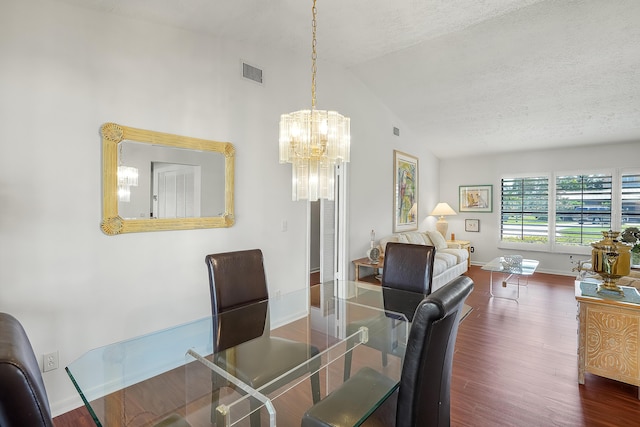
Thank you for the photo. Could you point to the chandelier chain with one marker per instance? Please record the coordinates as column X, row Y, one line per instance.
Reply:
column 314, row 56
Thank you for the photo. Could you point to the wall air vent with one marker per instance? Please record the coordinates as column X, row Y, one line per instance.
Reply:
column 252, row 73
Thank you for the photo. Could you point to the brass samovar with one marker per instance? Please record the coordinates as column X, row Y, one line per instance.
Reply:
column 611, row 260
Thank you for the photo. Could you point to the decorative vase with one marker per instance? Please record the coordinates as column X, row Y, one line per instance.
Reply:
column 611, row 260
column 373, row 253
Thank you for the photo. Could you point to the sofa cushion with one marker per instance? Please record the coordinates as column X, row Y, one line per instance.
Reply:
column 439, row 266
column 462, row 255
column 438, row 240
column 427, row 240
column 449, row 260
column 415, row 237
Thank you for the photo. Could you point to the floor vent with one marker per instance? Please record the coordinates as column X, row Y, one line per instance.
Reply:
column 252, row 73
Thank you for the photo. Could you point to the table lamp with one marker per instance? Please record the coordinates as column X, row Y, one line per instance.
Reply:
column 442, row 210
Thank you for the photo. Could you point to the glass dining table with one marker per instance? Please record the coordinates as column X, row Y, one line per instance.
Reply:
column 164, row 378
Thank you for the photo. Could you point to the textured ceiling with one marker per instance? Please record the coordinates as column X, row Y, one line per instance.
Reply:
column 465, row 76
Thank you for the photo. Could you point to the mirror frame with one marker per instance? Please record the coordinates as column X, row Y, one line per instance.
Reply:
column 112, row 223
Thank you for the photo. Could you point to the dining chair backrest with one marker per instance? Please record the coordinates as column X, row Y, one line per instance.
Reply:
column 23, row 398
column 236, row 279
column 240, row 308
column 425, row 384
column 408, row 267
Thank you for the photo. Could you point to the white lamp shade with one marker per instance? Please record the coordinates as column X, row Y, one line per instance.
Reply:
column 443, row 209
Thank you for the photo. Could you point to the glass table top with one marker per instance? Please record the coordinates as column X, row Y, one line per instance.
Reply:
column 166, row 375
column 589, row 289
column 502, row 264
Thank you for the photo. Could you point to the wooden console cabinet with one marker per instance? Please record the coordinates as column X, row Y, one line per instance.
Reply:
column 608, row 334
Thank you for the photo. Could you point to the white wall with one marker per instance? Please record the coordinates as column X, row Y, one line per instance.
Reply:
column 478, row 170
column 372, row 190
column 65, row 71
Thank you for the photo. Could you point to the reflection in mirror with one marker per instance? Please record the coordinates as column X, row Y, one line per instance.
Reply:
column 171, row 182
column 175, row 190
column 156, row 181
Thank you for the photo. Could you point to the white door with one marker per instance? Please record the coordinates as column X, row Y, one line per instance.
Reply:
column 333, row 245
column 176, row 190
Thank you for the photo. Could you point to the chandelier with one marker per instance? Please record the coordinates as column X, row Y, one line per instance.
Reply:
column 314, row 142
column 127, row 178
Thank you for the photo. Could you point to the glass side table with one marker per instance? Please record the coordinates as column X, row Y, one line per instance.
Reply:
column 509, row 270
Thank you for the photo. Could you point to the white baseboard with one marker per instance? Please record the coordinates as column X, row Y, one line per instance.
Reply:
column 540, row 270
column 65, row 405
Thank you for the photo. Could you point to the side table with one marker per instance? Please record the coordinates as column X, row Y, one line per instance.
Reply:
column 608, row 331
column 462, row 244
column 366, row 264
column 501, row 265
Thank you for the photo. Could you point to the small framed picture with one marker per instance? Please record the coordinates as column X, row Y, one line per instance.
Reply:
column 472, row 225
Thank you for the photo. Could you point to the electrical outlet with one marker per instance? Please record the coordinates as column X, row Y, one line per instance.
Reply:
column 50, row 361
column 472, row 249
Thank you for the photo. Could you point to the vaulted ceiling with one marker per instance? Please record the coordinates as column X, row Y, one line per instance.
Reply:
column 465, row 76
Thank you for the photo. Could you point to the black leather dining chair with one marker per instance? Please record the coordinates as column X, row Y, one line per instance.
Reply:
column 23, row 398
column 237, row 281
column 423, row 397
column 406, row 267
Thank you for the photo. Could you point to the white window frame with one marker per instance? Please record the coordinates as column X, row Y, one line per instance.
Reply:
column 616, row 188
column 552, row 246
column 625, row 171
column 535, row 247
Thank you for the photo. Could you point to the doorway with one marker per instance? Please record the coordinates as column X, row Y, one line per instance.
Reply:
column 327, row 234
column 175, row 190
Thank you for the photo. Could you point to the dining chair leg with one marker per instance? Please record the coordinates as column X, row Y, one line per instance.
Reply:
column 255, row 412
column 347, row 359
column 315, row 387
column 216, row 385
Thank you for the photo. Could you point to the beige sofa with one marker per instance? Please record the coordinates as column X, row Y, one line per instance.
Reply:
column 450, row 260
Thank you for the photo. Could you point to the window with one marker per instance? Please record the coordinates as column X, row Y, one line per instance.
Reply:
column 566, row 212
column 583, row 208
column 525, row 210
column 630, row 201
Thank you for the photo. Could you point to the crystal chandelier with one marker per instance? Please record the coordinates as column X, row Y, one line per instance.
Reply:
column 314, row 142
column 127, row 178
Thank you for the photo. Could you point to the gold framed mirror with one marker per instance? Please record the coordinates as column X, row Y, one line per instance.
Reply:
column 154, row 181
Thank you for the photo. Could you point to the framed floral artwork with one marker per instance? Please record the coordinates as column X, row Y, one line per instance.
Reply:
column 476, row 198
column 405, row 192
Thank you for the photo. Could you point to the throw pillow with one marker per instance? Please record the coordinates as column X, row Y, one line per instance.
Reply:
column 427, row 240
column 415, row 238
column 438, row 240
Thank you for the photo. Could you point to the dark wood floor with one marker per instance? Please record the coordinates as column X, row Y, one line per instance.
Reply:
column 516, row 364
